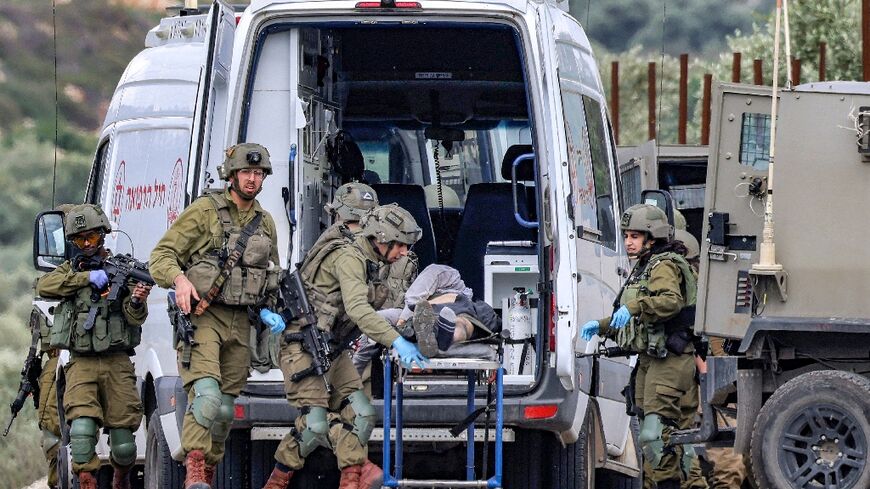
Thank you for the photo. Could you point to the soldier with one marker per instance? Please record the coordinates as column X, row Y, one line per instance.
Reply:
column 338, row 276
column 222, row 252
column 654, row 319
column 100, row 379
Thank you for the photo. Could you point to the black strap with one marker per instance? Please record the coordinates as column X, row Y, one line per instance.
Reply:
column 230, row 262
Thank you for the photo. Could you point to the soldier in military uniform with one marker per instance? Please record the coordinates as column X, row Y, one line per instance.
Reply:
column 221, row 255
column 338, row 276
column 654, row 319
column 100, row 379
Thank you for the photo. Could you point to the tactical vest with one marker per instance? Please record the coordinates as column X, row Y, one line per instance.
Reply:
column 110, row 331
column 37, row 320
column 254, row 275
column 398, row 277
column 640, row 337
column 331, row 315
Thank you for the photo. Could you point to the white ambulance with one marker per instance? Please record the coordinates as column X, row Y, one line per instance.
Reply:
column 486, row 120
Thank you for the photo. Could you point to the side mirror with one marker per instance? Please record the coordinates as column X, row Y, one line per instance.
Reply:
column 49, row 242
column 661, row 199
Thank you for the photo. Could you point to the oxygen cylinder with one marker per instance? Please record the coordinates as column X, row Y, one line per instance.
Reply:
column 521, row 355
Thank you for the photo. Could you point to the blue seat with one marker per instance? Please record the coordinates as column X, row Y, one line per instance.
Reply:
column 412, row 199
column 489, row 216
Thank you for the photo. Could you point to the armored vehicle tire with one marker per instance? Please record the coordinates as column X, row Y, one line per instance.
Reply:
column 814, row 432
column 160, row 469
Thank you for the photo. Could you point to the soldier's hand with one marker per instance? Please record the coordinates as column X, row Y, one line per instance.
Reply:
column 273, row 320
column 620, row 318
column 98, row 278
column 184, row 290
column 141, row 291
column 409, row 354
column 590, row 329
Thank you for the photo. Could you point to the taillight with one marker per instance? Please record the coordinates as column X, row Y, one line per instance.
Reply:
column 239, row 412
column 540, row 412
column 389, row 4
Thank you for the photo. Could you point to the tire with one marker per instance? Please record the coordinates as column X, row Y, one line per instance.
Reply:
column 522, row 464
column 792, row 445
column 615, row 480
column 230, row 472
column 572, row 466
column 161, row 471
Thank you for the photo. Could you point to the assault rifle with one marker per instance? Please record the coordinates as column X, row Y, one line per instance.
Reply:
column 120, row 269
column 29, row 384
column 184, row 328
column 314, row 340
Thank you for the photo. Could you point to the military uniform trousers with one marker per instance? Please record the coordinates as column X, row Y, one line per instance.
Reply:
column 660, row 388
column 222, row 352
column 729, row 469
column 47, row 416
column 311, row 392
column 102, row 387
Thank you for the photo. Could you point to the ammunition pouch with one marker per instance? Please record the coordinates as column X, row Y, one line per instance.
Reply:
column 629, row 392
column 110, row 331
column 678, row 341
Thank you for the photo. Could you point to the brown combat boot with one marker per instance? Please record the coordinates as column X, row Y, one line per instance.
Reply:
column 87, row 480
column 371, row 476
column 196, row 471
column 121, row 477
column 279, row 479
column 209, row 473
column 350, row 477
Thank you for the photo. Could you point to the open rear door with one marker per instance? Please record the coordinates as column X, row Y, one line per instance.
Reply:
column 208, row 138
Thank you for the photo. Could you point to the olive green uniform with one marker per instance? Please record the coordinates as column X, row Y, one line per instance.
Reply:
column 661, row 383
column 223, row 332
column 100, row 385
column 47, row 415
column 342, row 275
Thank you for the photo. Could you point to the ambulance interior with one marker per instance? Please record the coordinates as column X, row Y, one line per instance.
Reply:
column 433, row 116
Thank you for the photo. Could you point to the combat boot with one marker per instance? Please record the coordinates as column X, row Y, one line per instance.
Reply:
column 121, row 477
column 371, row 476
column 279, row 479
column 209, row 473
column 87, row 480
column 196, row 471
column 350, row 477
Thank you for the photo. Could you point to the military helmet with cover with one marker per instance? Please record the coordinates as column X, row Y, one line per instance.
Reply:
column 85, row 217
column 679, row 220
column 388, row 223
column 647, row 218
column 694, row 249
column 245, row 155
column 351, row 201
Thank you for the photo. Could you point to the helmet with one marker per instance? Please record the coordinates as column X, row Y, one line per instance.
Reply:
column 245, row 155
column 647, row 218
column 64, row 207
column 85, row 217
column 351, row 201
column 690, row 242
column 448, row 195
column 388, row 223
column 679, row 220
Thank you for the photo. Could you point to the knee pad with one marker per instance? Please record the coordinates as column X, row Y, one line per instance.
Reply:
column 83, row 439
column 364, row 416
column 316, row 432
column 50, row 443
column 651, row 438
column 123, row 446
column 206, row 403
column 687, row 459
column 220, row 429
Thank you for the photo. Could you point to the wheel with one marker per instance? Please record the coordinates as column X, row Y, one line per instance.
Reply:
column 573, row 466
column 522, row 460
column 814, row 432
column 161, row 470
column 230, row 473
column 615, row 480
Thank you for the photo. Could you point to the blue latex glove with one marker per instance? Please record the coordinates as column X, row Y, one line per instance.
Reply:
column 98, row 278
column 590, row 329
column 409, row 354
column 620, row 318
column 274, row 321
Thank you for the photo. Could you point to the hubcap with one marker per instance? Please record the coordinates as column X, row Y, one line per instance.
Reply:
column 823, row 446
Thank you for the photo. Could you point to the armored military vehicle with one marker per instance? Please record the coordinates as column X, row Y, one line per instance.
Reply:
column 800, row 323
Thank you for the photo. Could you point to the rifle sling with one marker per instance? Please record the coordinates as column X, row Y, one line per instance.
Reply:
column 230, row 262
